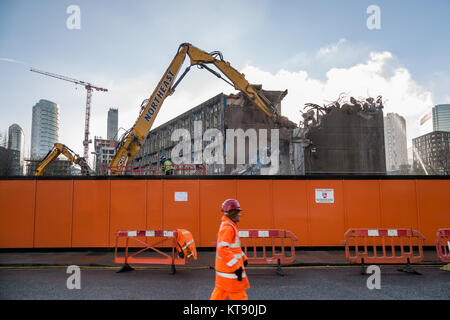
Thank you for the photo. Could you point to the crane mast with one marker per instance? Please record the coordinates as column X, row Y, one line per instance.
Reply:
column 89, row 88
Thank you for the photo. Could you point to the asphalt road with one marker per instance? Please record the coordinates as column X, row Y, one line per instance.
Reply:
column 300, row 283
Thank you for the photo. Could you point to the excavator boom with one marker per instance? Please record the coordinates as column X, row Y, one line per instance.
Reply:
column 59, row 148
column 134, row 138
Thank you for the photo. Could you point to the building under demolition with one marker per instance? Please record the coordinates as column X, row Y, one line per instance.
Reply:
column 224, row 113
column 341, row 138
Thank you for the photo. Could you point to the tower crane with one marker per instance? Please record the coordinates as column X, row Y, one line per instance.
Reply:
column 89, row 88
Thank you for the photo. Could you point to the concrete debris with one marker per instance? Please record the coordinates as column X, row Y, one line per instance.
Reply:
column 345, row 136
column 363, row 107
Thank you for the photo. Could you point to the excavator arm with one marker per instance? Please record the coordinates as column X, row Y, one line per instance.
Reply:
column 59, row 148
column 134, row 138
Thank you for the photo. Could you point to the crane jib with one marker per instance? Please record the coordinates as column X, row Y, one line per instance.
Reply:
column 160, row 95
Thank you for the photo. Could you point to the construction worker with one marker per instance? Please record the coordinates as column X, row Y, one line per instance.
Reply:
column 167, row 166
column 231, row 280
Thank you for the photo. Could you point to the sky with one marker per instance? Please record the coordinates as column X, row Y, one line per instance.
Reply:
column 315, row 49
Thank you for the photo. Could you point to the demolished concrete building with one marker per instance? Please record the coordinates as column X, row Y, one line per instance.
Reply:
column 223, row 112
column 342, row 138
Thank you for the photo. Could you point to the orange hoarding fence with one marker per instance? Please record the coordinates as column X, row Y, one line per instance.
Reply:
column 160, row 236
column 269, row 246
column 443, row 244
column 95, row 208
column 384, row 246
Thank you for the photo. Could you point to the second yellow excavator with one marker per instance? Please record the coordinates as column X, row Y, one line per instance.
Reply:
column 59, row 148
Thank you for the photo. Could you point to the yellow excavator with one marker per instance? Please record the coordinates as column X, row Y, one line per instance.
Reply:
column 59, row 148
column 134, row 138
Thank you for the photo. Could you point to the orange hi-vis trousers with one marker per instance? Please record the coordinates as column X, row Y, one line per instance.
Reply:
column 221, row 294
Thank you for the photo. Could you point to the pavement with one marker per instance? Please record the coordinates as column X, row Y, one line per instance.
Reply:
column 105, row 257
column 315, row 275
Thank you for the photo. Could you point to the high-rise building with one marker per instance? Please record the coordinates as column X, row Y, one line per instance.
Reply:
column 113, row 123
column 104, row 151
column 44, row 128
column 441, row 117
column 16, row 142
column 431, row 153
column 395, row 142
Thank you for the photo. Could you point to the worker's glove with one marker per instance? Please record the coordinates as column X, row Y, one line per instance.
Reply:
column 180, row 251
column 238, row 272
column 245, row 263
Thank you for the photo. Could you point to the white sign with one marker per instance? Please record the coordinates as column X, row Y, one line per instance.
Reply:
column 324, row 195
column 263, row 234
column 181, row 196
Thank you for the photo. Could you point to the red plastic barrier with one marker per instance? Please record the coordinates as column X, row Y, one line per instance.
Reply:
column 404, row 246
column 443, row 244
column 160, row 237
column 267, row 240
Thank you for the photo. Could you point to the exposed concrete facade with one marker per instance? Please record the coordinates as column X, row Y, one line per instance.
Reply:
column 222, row 112
column 335, row 139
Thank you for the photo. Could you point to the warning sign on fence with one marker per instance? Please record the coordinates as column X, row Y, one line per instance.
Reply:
column 324, row 195
column 181, row 196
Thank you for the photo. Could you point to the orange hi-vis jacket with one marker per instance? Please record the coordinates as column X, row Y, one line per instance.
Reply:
column 229, row 258
column 186, row 245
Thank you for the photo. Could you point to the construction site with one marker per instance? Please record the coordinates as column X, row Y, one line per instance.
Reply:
column 327, row 201
column 344, row 137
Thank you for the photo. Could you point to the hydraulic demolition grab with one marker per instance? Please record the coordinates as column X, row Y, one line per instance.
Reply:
column 59, row 148
column 134, row 138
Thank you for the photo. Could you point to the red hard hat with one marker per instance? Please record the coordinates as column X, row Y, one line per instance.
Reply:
column 230, row 204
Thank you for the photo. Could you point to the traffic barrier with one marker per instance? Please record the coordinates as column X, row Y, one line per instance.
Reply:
column 443, row 244
column 407, row 242
column 160, row 236
column 271, row 245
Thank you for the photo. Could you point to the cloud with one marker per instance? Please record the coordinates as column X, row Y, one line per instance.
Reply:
column 13, row 61
column 378, row 75
column 331, row 49
column 340, row 54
